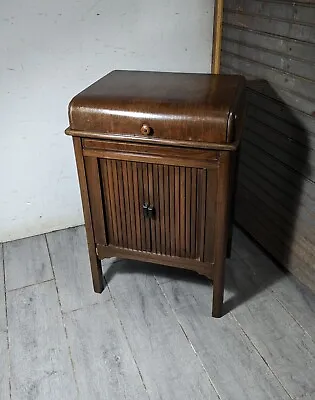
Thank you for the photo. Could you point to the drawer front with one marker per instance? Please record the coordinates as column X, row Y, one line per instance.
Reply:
column 158, row 208
column 150, row 153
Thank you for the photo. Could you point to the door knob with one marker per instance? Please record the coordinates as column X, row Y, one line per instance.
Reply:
column 145, row 210
column 148, row 211
column 151, row 211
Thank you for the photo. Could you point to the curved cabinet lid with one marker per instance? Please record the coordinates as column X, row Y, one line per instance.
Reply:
column 161, row 105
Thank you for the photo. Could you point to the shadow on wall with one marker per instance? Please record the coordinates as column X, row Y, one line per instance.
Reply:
column 273, row 202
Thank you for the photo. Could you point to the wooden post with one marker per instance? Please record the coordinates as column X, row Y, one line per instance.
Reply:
column 217, row 36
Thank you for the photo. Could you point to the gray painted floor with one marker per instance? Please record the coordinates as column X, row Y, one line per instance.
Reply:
column 150, row 334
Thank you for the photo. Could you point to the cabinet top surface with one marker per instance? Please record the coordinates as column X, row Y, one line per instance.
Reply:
column 172, row 106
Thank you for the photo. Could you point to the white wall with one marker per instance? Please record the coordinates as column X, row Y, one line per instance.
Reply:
column 50, row 50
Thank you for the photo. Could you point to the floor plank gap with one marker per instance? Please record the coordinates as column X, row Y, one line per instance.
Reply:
column 127, row 340
column 39, row 359
column 32, row 284
column 81, row 308
column 70, row 263
column 26, row 262
column 261, row 356
column 293, row 317
column 187, row 337
column 63, row 322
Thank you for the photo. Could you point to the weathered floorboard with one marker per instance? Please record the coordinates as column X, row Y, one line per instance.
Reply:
column 40, row 365
column 168, row 364
column 70, row 261
column 232, row 362
column 4, row 367
column 103, row 363
column 26, row 262
column 3, row 322
column 284, row 345
column 297, row 299
column 289, row 351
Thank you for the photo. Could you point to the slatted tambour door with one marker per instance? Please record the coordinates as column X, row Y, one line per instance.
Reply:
column 182, row 200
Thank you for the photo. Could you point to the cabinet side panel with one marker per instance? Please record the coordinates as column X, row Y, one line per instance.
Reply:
column 95, row 196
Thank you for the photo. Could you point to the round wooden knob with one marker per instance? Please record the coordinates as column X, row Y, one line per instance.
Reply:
column 145, row 129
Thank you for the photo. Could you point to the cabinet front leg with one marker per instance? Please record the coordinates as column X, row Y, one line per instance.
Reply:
column 221, row 232
column 96, row 266
column 97, row 273
column 218, row 289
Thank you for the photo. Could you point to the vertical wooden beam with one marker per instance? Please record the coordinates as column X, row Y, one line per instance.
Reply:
column 217, row 36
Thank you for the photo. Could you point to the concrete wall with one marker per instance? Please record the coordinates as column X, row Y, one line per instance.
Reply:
column 50, row 50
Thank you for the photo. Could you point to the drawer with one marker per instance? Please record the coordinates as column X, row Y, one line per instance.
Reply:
column 158, row 208
column 149, row 153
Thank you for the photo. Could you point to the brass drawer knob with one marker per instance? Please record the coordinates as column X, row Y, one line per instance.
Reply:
column 146, row 130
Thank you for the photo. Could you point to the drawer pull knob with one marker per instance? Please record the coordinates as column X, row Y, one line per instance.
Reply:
column 146, row 130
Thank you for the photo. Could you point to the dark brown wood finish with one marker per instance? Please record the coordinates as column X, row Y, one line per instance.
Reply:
column 166, row 211
column 156, row 169
column 205, row 269
column 130, row 101
column 156, row 200
column 193, row 214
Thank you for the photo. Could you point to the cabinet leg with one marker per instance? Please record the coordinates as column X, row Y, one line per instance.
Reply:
column 97, row 273
column 218, row 290
column 96, row 266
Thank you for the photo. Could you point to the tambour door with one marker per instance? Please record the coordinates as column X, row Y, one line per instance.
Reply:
column 157, row 208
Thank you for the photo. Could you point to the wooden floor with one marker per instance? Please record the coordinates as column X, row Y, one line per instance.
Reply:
column 150, row 335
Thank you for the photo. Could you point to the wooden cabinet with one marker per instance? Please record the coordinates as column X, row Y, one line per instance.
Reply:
column 156, row 194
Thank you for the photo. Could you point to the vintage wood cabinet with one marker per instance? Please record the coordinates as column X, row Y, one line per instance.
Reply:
column 156, row 155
